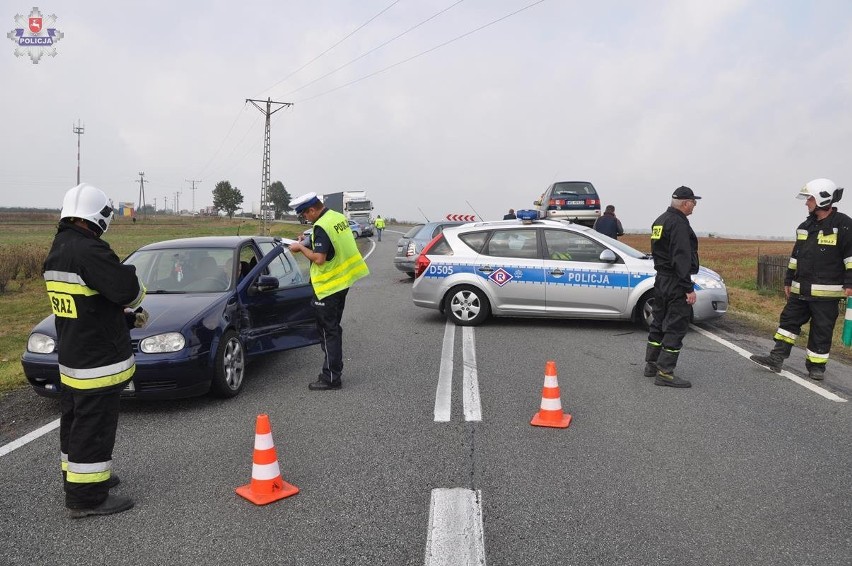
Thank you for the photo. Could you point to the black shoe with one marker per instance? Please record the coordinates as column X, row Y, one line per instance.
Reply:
column 650, row 369
column 816, row 374
column 770, row 362
column 112, row 481
column 670, row 380
column 323, row 385
column 112, row 504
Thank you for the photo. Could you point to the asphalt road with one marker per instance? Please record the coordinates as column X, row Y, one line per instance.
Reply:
column 747, row 467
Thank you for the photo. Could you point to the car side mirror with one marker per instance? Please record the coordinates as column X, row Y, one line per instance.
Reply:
column 266, row 283
column 608, row 256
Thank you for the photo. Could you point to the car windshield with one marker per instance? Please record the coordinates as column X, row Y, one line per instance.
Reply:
column 184, row 270
column 620, row 246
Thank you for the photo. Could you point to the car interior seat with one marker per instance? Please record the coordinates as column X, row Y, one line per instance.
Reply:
column 208, row 267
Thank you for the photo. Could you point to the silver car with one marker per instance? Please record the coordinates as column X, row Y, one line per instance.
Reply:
column 412, row 243
column 545, row 268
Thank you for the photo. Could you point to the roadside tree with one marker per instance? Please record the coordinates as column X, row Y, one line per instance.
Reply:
column 279, row 197
column 227, row 198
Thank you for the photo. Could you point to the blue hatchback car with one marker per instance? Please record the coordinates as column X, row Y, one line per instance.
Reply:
column 214, row 304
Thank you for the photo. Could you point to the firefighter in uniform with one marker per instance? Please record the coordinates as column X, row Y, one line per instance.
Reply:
column 336, row 264
column 674, row 247
column 380, row 225
column 93, row 296
column 818, row 276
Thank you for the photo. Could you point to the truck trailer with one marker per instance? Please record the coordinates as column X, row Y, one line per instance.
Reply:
column 354, row 205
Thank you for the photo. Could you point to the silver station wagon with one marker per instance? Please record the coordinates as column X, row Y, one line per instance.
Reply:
column 545, row 268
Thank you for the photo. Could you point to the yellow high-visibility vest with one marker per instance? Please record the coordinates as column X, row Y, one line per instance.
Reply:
column 347, row 266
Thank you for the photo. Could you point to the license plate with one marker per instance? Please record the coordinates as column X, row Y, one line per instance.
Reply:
column 575, row 202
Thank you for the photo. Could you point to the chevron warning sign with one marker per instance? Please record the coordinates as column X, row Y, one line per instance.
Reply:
column 462, row 217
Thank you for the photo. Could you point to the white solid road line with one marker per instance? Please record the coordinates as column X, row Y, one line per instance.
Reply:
column 470, row 379
column 455, row 535
column 444, row 392
column 27, row 438
column 791, row 376
column 470, row 376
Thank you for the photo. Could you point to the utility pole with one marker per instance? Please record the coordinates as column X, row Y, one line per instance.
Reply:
column 79, row 130
column 177, row 203
column 193, row 181
column 264, row 189
column 141, row 203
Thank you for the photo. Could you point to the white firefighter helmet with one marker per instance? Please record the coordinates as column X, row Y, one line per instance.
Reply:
column 89, row 203
column 821, row 189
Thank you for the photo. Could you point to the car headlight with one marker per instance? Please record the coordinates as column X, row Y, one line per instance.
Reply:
column 169, row 342
column 707, row 281
column 41, row 344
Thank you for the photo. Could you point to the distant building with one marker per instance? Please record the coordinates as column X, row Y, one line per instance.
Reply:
column 126, row 209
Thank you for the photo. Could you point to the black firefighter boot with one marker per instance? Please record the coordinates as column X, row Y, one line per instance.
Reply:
column 775, row 359
column 665, row 371
column 652, row 352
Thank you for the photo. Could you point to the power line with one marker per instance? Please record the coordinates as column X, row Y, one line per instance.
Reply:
column 359, row 28
column 391, row 40
column 217, row 171
column 221, row 145
column 397, row 64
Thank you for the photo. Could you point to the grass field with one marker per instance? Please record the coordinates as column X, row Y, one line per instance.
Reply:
column 24, row 303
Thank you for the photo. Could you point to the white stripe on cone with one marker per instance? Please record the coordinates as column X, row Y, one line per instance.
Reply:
column 551, row 404
column 263, row 441
column 265, row 471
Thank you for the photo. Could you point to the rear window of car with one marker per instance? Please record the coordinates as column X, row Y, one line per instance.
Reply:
column 572, row 188
column 413, row 232
column 474, row 240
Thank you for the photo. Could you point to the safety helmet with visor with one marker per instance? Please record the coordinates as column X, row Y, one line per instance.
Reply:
column 89, row 203
column 824, row 191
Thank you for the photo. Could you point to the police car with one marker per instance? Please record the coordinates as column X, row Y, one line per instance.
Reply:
column 544, row 268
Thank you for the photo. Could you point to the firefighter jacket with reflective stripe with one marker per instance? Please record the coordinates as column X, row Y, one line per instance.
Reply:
column 347, row 265
column 675, row 247
column 88, row 289
column 821, row 263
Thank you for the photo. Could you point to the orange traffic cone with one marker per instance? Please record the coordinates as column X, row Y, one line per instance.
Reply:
column 266, row 483
column 551, row 407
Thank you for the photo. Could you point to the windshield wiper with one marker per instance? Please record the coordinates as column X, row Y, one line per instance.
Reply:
column 164, row 292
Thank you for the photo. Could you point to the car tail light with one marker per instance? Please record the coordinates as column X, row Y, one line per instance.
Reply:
column 422, row 262
column 411, row 250
column 593, row 202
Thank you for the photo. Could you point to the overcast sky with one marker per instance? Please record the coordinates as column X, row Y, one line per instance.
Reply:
column 744, row 101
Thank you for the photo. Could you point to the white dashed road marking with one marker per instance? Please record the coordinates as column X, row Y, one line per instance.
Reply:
column 455, row 535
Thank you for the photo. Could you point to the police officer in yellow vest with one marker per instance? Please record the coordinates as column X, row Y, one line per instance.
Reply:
column 336, row 264
column 380, row 225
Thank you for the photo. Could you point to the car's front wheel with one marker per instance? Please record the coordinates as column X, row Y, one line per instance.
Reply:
column 645, row 310
column 466, row 306
column 230, row 366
